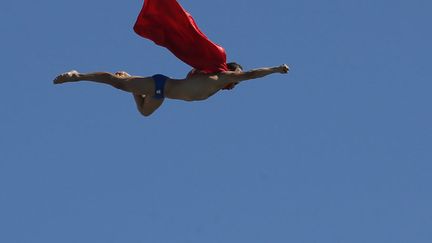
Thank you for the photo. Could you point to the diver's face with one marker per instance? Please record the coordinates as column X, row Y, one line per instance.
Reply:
column 238, row 70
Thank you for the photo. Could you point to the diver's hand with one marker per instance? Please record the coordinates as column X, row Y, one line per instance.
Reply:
column 283, row 68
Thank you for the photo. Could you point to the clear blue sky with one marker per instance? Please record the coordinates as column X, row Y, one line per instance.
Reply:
column 337, row 151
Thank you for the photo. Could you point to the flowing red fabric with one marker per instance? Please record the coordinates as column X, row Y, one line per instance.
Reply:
column 167, row 24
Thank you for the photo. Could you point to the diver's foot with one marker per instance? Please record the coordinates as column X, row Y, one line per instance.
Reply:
column 70, row 76
column 122, row 74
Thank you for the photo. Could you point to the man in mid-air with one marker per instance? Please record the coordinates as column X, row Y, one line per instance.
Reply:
column 150, row 92
column 169, row 25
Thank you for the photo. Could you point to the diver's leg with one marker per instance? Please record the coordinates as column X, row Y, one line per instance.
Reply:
column 70, row 76
column 147, row 104
column 133, row 84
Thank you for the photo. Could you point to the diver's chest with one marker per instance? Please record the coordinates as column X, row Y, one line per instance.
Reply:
column 201, row 86
column 200, row 91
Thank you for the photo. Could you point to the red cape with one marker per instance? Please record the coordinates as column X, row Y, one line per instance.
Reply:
column 167, row 24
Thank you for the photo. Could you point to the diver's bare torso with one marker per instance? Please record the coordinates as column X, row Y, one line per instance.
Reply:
column 195, row 87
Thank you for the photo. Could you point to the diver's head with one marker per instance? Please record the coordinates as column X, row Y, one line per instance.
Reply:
column 234, row 67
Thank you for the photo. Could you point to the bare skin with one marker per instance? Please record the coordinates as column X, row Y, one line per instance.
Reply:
column 196, row 87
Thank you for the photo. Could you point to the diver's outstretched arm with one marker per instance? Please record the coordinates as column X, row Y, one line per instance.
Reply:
column 236, row 77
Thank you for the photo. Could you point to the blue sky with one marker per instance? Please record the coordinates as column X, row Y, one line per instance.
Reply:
column 339, row 150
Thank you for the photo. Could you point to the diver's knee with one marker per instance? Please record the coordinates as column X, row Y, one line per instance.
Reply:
column 145, row 113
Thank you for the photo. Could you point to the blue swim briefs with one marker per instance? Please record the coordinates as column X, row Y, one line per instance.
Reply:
column 160, row 81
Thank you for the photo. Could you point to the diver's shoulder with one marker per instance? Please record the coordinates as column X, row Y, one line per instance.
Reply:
column 228, row 75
